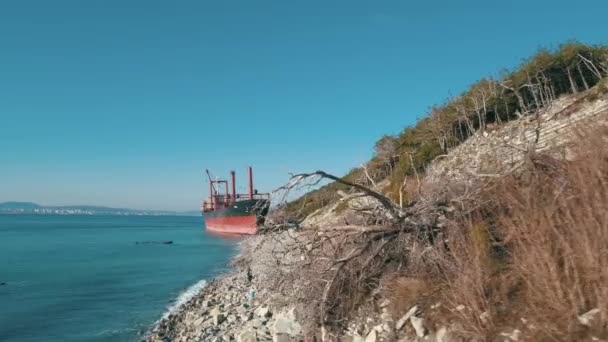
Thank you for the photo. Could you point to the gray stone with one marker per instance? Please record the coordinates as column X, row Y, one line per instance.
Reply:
column 262, row 312
column 246, row 316
column 257, row 323
column 286, row 325
column 246, row 336
column 218, row 316
column 200, row 322
column 280, row 338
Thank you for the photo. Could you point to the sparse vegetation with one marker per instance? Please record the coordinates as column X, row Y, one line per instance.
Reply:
column 522, row 251
column 571, row 68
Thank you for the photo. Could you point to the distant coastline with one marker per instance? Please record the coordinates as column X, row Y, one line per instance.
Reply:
column 30, row 208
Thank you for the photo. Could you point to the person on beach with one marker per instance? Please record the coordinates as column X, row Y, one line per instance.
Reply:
column 249, row 275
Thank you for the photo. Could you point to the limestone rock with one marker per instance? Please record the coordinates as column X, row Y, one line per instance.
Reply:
column 262, row 312
column 246, row 336
column 285, row 326
column 401, row 322
column 418, row 324
column 218, row 316
column 372, row 336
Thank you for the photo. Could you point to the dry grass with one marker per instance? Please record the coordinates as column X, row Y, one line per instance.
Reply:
column 536, row 249
column 556, row 229
column 532, row 246
column 404, row 292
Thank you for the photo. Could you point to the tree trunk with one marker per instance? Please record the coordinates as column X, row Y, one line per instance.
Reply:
column 572, row 83
column 580, row 72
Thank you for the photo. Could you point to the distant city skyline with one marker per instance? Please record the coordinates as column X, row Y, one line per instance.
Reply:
column 126, row 103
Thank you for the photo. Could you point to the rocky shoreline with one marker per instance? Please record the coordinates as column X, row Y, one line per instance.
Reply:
column 244, row 306
column 232, row 307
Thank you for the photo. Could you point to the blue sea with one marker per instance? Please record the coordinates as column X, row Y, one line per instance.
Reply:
column 85, row 278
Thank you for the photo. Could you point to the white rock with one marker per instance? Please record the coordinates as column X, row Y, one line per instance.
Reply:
column 371, row 337
column 441, row 335
column 589, row 317
column 401, row 322
column 199, row 322
column 484, row 317
column 385, row 316
column 418, row 324
column 262, row 312
column 246, row 336
column 257, row 323
column 385, row 303
column 217, row 315
column 280, row 338
column 460, row 307
column 283, row 325
column 516, row 335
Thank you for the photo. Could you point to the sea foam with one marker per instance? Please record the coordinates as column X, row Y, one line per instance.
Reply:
column 184, row 297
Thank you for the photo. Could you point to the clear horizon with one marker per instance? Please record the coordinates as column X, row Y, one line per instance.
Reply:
column 126, row 103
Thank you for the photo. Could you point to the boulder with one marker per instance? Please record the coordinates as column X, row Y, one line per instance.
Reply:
column 263, row 312
column 285, row 326
column 246, row 316
column 247, row 335
column 257, row 323
column 217, row 315
column 200, row 322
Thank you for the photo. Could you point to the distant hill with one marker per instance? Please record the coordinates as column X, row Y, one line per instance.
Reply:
column 33, row 208
column 17, row 205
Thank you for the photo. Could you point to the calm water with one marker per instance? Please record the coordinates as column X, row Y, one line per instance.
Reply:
column 84, row 278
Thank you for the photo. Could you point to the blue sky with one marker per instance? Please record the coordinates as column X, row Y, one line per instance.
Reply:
column 125, row 102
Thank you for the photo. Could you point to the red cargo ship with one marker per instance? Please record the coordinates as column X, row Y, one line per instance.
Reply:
column 232, row 213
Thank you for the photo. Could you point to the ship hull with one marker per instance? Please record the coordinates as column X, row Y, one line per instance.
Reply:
column 240, row 218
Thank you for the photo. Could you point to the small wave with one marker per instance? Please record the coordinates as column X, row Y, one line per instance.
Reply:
column 184, row 297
